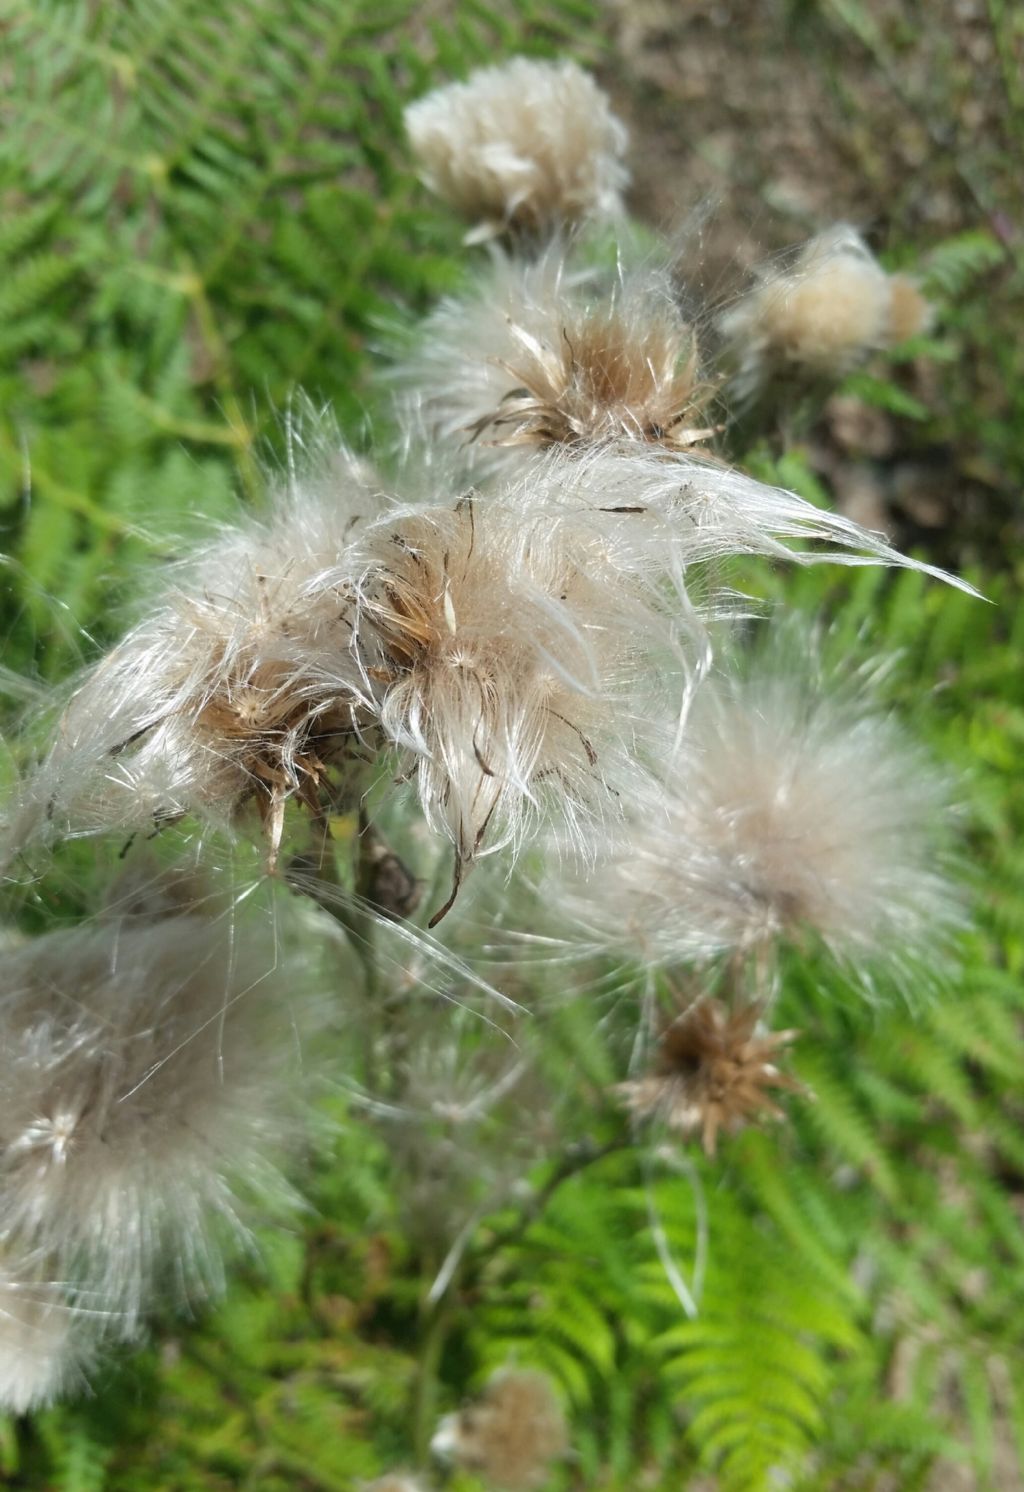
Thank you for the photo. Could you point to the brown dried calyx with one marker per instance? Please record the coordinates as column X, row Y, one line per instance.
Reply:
column 607, row 379
column 282, row 736
column 713, row 1073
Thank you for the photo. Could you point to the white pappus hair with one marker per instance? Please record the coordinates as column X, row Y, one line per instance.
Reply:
column 506, row 651
column 150, row 1078
column 239, row 685
column 45, row 1344
column 525, row 146
column 793, row 807
column 697, row 510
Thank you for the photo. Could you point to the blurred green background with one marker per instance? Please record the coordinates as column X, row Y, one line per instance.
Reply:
column 205, row 206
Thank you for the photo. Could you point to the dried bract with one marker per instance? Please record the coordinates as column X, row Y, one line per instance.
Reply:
column 713, row 1073
column 513, row 1434
column 525, row 146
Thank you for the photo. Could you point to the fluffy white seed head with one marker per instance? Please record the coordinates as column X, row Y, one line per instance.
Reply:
column 507, row 653
column 790, row 810
column 546, row 353
column 239, row 685
column 817, row 319
column 150, row 1077
column 44, row 1343
column 524, row 146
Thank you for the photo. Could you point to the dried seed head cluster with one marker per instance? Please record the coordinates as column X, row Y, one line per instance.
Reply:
column 713, row 1073
column 511, row 1436
column 550, row 353
column 496, row 659
column 539, row 651
column 821, row 317
column 526, row 146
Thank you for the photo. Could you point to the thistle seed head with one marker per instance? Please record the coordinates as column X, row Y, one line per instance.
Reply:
column 522, row 147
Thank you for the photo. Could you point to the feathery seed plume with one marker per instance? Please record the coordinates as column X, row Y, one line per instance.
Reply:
column 241, row 685
column 791, row 808
column 523, row 147
column 44, row 1343
column 693, row 511
column 504, row 662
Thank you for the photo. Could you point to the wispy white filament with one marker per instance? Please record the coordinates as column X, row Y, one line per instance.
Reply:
column 149, row 1081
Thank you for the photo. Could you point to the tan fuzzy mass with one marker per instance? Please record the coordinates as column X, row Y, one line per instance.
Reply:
column 909, row 312
column 515, row 1433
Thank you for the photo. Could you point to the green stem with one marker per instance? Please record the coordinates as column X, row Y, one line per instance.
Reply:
column 433, row 1336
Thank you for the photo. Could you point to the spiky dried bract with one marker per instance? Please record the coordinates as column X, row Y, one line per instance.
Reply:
column 712, row 1073
column 792, row 808
column 547, row 353
column 511, row 1436
column 241, row 685
column 524, row 146
column 504, row 652
column 818, row 319
column 44, row 1346
column 151, row 1076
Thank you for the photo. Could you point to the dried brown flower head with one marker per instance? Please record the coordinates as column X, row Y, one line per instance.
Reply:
column 607, row 376
column 511, row 1436
column 712, row 1072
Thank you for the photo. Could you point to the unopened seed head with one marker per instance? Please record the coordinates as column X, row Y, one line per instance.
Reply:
column 818, row 319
